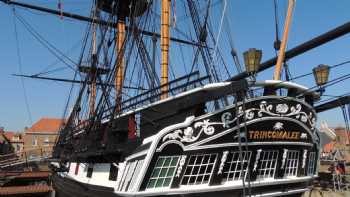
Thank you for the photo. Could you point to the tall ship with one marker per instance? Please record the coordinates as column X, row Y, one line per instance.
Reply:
column 138, row 128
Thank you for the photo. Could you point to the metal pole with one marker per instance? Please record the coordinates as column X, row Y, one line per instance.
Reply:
column 302, row 48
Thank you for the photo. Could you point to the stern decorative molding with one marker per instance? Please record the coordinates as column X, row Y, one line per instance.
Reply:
column 258, row 152
column 188, row 134
column 281, row 110
column 284, row 157
column 181, row 164
column 223, row 160
column 304, row 158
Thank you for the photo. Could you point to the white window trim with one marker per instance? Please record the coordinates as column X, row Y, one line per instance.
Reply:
column 266, row 153
column 291, row 170
column 171, row 177
column 46, row 142
column 211, row 173
column 311, row 165
column 246, row 156
column 34, row 141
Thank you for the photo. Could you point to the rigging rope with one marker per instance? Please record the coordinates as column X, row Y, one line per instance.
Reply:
column 346, row 115
column 45, row 43
column 19, row 59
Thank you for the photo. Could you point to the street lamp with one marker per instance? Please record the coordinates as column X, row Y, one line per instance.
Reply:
column 252, row 59
column 321, row 74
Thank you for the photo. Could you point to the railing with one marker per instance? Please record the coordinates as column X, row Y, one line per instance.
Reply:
column 176, row 86
column 25, row 157
column 341, row 182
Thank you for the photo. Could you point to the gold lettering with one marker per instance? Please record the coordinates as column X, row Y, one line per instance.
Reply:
column 256, row 135
column 269, row 133
column 251, row 134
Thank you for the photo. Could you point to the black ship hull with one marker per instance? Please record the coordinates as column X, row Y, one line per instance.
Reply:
column 65, row 187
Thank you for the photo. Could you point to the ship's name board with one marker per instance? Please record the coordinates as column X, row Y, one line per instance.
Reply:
column 274, row 135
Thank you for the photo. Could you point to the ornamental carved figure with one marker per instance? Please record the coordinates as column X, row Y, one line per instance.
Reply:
column 282, row 108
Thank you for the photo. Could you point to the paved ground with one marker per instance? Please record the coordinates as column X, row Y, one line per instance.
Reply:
column 317, row 192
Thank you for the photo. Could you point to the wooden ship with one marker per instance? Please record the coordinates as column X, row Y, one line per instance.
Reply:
column 195, row 135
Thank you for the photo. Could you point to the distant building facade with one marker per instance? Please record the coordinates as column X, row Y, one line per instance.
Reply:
column 5, row 145
column 16, row 140
column 41, row 136
column 341, row 145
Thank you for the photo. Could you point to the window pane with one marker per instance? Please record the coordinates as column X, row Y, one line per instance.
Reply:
column 113, row 173
column 235, row 167
column 292, row 161
column 268, row 161
column 163, row 171
column 199, row 169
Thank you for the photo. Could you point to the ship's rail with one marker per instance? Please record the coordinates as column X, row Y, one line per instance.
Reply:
column 176, row 86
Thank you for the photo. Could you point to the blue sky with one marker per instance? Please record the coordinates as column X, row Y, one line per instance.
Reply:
column 252, row 26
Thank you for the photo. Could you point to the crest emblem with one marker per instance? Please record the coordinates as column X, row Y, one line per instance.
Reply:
column 278, row 126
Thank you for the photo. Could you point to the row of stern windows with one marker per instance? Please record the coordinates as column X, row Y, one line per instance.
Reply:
column 198, row 169
column 232, row 166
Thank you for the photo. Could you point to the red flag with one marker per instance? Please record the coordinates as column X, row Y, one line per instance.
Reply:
column 132, row 134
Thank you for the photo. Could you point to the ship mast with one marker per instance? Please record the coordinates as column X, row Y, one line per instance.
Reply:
column 120, row 60
column 281, row 55
column 93, row 74
column 164, row 44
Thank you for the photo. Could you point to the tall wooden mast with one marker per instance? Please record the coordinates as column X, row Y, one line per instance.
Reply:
column 164, row 43
column 120, row 60
column 93, row 74
column 280, row 59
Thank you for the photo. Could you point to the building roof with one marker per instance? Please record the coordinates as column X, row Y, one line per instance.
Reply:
column 9, row 134
column 30, row 189
column 328, row 147
column 46, row 125
column 341, row 143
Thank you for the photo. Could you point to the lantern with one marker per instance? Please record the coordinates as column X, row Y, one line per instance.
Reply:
column 252, row 59
column 321, row 73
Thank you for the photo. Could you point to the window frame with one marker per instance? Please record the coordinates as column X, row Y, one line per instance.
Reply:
column 264, row 160
column 246, row 156
column 113, row 172
column 212, row 164
column 90, row 170
column 34, row 141
column 46, row 141
column 292, row 169
column 311, row 164
column 166, row 176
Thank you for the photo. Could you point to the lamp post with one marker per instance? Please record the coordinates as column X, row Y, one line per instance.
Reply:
column 252, row 59
column 321, row 74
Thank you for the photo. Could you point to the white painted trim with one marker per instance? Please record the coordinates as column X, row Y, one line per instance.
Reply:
column 139, row 154
column 205, row 188
column 249, row 144
column 289, row 192
column 287, row 85
column 207, row 87
column 154, row 144
column 171, row 142
column 248, row 123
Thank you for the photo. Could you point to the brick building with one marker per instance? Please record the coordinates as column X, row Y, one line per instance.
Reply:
column 341, row 143
column 16, row 140
column 41, row 136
